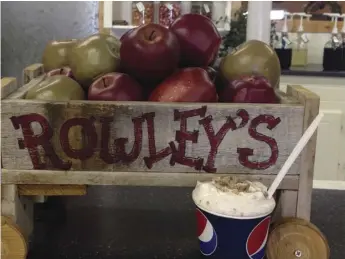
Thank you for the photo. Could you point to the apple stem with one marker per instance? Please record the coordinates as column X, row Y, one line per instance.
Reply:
column 152, row 35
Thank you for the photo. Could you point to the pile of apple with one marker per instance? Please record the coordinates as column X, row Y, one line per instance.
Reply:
column 159, row 64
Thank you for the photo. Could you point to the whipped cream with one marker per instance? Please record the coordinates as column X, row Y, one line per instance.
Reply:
column 231, row 197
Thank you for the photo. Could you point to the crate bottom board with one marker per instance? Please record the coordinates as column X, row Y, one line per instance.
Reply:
column 45, row 177
column 51, row 189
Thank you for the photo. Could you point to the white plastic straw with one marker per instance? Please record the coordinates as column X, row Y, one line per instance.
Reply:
column 294, row 154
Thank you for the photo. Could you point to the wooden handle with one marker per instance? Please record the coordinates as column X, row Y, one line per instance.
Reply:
column 8, row 86
column 31, row 72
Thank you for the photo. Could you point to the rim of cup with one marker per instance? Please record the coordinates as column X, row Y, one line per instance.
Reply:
column 233, row 217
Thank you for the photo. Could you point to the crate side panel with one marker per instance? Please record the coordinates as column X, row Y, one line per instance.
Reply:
column 133, row 136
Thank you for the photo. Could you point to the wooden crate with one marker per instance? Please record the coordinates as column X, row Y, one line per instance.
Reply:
column 153, row 144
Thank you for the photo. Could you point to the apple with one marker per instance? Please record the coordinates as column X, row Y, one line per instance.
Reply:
column 199, row 40
column 61, row 71
column 186, row 85
column 115, row 87
column 125, row 34
column 150, row 53
column 249, row 89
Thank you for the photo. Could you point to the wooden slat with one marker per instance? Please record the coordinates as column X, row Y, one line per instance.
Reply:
column 31, row 72
column 286, row 133
column 20, row 93
column 100, row 15
column 51, row 190
column 312, row 103
column 44, row 177
column 8, row 86
column 19, row 209
column 101, row 28
column 32, row 75
column 286, row 99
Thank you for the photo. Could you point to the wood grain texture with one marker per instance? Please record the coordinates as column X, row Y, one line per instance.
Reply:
column 284, row 98
column 32, row 72
column 288, row 201
column 101, row 28
column 21, row 92
column 45, row 177
column 285, row 134
column 311, row 102
column 8, row 86
column 18, row 209
column 13, row 244
column 100, row 15
column 51, row 190
column 296, row 238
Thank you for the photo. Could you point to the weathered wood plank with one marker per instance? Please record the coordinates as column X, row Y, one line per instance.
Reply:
column 45, row 177
column 51, row 190
column 311, row 102
column 286, row 99
column 32, row 75
column 8, row 86
column 109, row 128
column 19, row 209
column 288, row 200
column 20, row 93
column 31, row 72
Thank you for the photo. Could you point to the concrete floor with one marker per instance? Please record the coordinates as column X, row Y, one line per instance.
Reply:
column 118, row 222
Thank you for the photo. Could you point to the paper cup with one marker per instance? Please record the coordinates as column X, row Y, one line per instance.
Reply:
column 232, row 237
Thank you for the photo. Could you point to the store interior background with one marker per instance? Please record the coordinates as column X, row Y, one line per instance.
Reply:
column 28, row 26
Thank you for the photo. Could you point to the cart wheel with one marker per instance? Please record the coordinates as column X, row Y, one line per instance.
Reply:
column 13, row 244
column 299, row 221
column 296, row 238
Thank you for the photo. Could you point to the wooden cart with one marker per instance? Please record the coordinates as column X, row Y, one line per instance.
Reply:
column 58, row 148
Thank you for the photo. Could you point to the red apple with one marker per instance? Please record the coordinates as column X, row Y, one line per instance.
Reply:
column 249, row 89
column 186, row 85
column 61, row 71
column 150, row 53
column 115, row 87
column 199, row 40
column 126, row 33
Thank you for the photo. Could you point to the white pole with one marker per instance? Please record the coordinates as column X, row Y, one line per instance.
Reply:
column 259, row 21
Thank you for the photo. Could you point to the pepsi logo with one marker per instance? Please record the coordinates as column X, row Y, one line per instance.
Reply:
column 257, row 239
column 206, row 233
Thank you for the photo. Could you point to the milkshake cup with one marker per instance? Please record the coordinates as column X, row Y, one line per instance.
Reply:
column 233, row 218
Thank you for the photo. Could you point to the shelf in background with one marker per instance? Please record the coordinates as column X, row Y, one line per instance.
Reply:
column 312, row 70
column 309, row 26
column 110, row 11
column 128, row 27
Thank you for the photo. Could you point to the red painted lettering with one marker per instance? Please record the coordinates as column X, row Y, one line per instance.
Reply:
column 32, row 141
column 89, row 135
column 243, row 114
column 215, row 139
column 183, row 135
column 120, row 143
column 105, row 154
column 154, row 156
column 244, row 153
